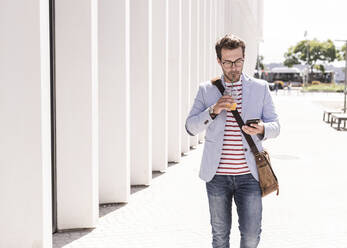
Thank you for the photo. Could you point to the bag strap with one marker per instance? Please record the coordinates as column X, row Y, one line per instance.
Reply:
column 218, row 83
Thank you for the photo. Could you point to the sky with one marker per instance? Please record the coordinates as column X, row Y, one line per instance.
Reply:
column 285, row 22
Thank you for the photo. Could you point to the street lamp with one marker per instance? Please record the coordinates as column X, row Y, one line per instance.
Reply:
column 345, row 89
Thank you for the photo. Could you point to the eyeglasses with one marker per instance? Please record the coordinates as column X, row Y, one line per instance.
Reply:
column 229, row 64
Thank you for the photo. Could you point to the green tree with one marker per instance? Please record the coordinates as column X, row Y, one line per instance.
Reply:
column 312, row 52
column 343, row 52
column 343, row 55
column 319, row 67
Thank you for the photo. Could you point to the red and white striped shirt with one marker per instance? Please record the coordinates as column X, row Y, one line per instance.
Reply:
column 233, row 160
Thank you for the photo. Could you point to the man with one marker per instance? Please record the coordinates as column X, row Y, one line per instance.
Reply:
column 277, row 86
column 228, row 165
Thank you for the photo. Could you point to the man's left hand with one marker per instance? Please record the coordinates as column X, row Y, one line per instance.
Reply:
column 255, row 129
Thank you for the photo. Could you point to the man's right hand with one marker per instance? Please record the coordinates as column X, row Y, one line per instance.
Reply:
column 223, row 103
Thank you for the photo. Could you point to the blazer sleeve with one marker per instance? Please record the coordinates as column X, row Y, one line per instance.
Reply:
column 199, row 118
column 269, row 117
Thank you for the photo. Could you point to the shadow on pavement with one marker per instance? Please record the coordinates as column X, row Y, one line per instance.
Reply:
column 69, row 235
column 105, row 209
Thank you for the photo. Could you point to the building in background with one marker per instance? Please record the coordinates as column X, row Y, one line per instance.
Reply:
column 93, row 98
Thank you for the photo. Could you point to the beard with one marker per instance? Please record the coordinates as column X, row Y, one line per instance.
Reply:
column 232, row 76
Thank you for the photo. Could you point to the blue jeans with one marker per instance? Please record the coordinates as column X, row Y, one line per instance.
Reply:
column 246, row 190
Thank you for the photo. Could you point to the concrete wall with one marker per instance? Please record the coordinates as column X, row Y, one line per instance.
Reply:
column 127, row 73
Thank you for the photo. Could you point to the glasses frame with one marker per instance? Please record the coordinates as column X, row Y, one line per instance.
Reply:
column 232, row 63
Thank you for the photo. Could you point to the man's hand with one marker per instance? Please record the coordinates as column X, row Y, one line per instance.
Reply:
column 223, row 103
column 255, row 129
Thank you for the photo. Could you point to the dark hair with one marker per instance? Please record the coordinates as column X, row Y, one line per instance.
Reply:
column 229, row 41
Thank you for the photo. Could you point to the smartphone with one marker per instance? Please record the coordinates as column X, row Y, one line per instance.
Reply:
column 252, row 121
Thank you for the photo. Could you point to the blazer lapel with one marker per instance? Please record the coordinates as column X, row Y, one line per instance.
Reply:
column 245, row 95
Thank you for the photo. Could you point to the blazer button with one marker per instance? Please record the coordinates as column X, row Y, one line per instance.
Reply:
column 246, row 150
column 206, row 122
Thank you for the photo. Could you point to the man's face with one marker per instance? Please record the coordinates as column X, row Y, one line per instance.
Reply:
column 232, row 63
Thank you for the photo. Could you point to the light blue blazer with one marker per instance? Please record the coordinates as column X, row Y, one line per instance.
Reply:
column 256, row 103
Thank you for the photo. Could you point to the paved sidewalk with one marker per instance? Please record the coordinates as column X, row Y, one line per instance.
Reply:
column 309, row 158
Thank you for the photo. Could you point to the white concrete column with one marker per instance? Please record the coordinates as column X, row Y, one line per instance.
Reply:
column 114, row 93
column 218, row 24
column 202, row 40
column 77, row 113
column 251, row 51
column 208, row 40
column 141, row 91
column 236, row 18
column 174, row 77
column 260, row 19
column 160, row 85
column 203, row 51
column 222, row 14
column 220, row 19
column 221, row 24
column 228, row 16
column 213, row 37
column 25, row 146
column 223, row 30
column 185, row 76
column 244, row 24
column 249, row 35
column 194, row 58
